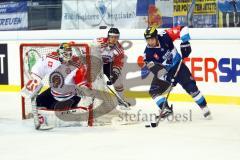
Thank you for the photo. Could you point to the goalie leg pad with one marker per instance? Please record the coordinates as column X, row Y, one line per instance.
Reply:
column 49, row 119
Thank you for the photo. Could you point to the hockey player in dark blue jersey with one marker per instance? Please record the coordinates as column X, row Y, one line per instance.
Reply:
column 162, row 59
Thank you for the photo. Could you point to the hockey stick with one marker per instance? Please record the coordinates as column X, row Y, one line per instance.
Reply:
column 125, row 104
column 155, row 124
column 106, row 79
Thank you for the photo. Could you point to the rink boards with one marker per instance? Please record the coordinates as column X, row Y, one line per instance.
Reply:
column 214, row 61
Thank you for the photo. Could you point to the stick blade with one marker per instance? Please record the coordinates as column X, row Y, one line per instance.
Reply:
column 151, row 125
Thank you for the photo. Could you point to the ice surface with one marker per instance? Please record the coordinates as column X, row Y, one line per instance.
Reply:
column 195, row 139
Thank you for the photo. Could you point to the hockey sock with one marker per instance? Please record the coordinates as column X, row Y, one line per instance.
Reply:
column 200, row 100
column 159, row 100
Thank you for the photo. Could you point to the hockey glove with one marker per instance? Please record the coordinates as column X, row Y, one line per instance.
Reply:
column 185, row 49
column 145, row 72
column 114, row 76
column 157, row 69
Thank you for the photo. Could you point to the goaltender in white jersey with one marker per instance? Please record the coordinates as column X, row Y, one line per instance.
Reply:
column 66, row 73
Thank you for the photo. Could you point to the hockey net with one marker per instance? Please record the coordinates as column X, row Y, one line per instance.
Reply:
column 30, row 53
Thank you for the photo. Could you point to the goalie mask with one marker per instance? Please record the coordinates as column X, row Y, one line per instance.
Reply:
column 65, row 52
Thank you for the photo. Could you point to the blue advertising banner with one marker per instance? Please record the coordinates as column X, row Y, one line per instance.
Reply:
column 13, row 16
column 229, row 13
column 229, row 5
column 142, row 7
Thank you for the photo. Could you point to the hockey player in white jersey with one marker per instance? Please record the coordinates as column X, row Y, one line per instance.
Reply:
column 65, row 73
column 113, row 61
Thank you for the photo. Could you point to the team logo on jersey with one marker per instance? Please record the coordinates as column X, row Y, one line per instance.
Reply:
column 56, row 80
column 156, row 56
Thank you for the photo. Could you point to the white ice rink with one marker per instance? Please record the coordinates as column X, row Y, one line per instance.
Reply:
column 198, row 139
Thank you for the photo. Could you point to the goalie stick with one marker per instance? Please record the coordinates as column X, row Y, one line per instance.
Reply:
column 155, row 124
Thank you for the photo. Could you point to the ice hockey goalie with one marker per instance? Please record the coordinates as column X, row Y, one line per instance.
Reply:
column 65, row 72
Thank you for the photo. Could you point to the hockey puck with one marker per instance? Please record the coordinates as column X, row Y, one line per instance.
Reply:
column 154, row 125
column 147, row 126
column 102, row 27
